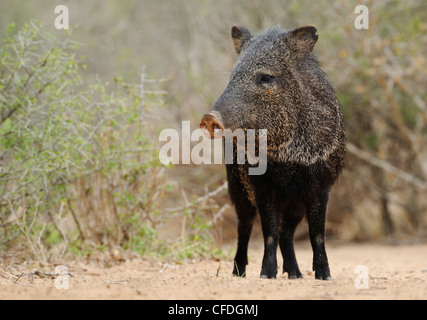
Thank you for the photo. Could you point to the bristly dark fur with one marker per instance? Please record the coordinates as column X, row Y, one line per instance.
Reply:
column 306, row 143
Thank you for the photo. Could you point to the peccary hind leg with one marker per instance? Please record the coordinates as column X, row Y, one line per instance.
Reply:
column 290, row 264
column 316, row 215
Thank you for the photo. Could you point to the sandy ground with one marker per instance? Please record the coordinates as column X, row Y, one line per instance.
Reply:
column 386, row 272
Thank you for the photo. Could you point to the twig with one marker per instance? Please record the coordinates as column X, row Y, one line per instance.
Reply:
column 165, row 266
column 50, row 275
column 5, row 272
column 219, row 268
column 18, row 277
column 76, row 221
column 386, row 166
column 201, row 199
column 218, row 215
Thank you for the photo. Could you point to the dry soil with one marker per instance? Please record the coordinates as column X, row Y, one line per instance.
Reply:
column 358, row 271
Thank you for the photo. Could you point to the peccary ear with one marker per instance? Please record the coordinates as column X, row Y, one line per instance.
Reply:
column 303, row 40
column 240, row 36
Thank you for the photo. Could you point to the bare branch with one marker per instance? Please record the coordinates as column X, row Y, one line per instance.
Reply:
column 386, row 166
column 201, row 199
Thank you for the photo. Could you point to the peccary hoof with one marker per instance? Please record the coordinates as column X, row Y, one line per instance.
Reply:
column 323, row 276
column 269, row 271
column 263, row 276
column 322, row 272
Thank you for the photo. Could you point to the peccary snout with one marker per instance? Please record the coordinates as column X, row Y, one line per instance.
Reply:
column 211, row 125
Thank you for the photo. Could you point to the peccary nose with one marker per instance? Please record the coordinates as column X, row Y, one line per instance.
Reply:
column 211, row 125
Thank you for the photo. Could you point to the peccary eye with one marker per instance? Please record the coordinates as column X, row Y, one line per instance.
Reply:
column 265, row 78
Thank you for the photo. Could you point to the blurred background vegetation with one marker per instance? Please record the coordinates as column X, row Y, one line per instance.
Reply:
column 81, row 112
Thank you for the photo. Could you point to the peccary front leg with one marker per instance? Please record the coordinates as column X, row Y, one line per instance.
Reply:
column 245, row 214
column 316, row 215
column 271, row 237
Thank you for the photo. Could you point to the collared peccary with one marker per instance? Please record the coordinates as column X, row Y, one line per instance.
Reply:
column 277, row 84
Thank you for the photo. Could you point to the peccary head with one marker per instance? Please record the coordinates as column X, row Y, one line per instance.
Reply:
column 277, row 84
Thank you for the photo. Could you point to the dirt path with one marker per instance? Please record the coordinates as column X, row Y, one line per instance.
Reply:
column 398, row 272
